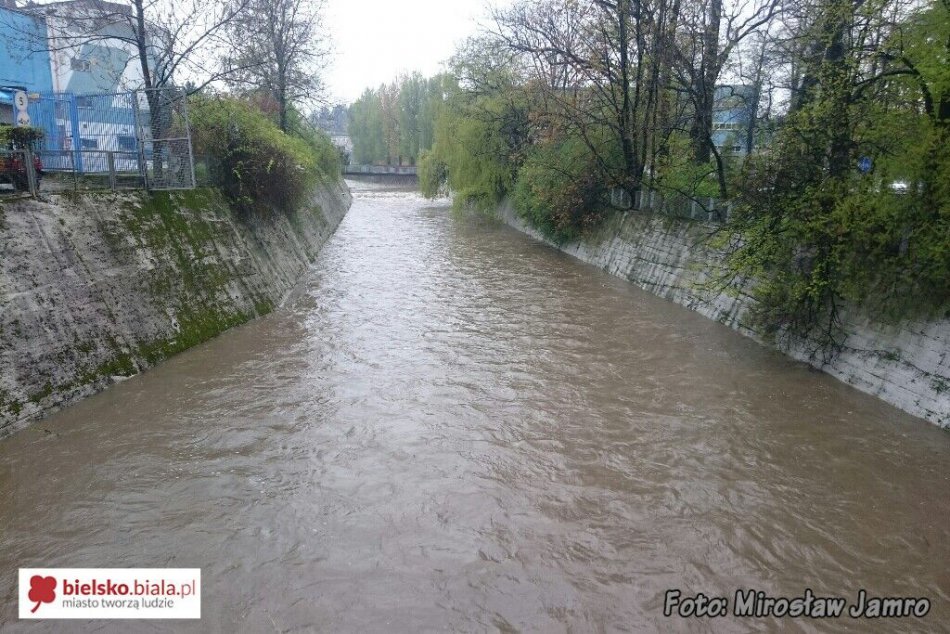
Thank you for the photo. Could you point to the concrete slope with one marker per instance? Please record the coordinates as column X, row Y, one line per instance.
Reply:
column 96, row 287
column 905, row 364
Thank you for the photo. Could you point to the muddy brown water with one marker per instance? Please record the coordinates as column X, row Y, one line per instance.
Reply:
column 450, row 427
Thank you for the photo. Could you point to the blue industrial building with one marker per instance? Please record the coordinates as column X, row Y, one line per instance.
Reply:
column 24, row 59
column 733, row 109
column 85, row 96
column 90, row 117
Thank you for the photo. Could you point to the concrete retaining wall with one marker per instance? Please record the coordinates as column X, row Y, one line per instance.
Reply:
column 96, row 287
column 907, row 364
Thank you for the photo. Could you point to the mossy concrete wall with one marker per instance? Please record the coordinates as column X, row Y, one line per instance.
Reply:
column 97, row 287
column 905, row 364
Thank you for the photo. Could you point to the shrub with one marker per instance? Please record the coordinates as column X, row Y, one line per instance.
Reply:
column 20, row 136
column 256, row 165
column 558, row 190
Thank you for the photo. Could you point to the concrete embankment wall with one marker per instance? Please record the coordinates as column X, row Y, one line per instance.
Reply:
column 906, row 364
column 96, row 287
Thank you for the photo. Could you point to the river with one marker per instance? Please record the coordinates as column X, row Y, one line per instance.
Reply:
column 451, row 427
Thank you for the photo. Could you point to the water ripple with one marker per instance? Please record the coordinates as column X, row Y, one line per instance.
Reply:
column 455, row 428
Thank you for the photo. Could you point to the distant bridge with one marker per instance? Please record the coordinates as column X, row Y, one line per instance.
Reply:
column 380, row 170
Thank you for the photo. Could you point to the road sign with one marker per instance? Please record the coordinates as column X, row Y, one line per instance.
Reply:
column 20, row 100
column 22, row 118
column 865, row 164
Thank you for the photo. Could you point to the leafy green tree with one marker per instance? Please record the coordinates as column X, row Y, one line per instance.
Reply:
column 396, row 122
column 475, row 149
column 366, row 129
column 816, row 232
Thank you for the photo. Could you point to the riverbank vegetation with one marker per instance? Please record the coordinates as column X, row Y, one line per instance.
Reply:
column 257, row 145
column 250, row 68
column 258, row 166
column 825, row 126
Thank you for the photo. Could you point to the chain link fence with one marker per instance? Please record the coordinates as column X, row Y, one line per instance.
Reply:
column 132, row 140
column 166, row 139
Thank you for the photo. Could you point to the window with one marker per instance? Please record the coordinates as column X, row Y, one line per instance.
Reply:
column 89, row 144
column 126, row 143
column 84, row 102
column 81, row 65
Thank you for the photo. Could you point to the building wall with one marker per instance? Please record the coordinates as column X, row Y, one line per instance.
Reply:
column 732, row 110
column 102, row 66
column 24, row 61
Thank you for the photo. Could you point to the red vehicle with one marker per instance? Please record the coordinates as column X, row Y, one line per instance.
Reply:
column 13, row 143
column 13, row 170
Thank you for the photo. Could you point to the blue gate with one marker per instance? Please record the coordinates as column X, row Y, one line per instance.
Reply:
column 81, row 129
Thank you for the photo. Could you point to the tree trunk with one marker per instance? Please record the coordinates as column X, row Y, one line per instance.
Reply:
column 754, row 106
column 624, row 123
column 704, row 92
column 282, row 106
column 142, row 43
column 835, row 86
column 666, row 43
column 156, row 121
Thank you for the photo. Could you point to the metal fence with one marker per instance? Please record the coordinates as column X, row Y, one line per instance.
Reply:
column 380, row 169
column 101, row 170
column 18, row 171
column 138, row 139
column 166, row 139
column 672, row 204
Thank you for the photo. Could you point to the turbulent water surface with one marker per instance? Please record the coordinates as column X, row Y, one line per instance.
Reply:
column 451, row 427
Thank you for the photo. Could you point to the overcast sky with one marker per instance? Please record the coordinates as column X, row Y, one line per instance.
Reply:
column 376, row 40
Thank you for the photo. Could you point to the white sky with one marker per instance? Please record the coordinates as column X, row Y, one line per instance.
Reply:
column 376, row 40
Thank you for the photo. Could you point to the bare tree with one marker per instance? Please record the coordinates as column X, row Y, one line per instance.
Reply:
column 600, row 66
column 757, row 66
column 279, row 48
column 710, row 33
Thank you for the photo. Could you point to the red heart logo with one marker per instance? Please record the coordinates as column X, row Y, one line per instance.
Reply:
column 42, row 590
